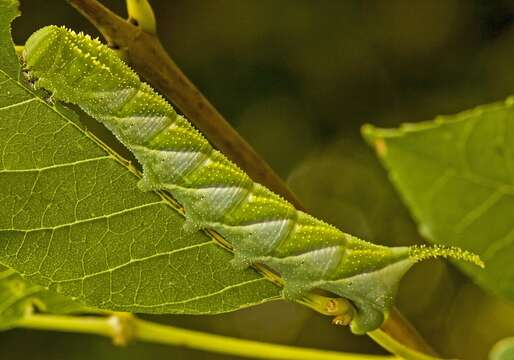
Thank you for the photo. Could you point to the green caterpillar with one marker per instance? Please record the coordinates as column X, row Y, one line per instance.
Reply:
column 260, row 226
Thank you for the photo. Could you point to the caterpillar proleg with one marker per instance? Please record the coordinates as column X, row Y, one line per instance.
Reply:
column 260, row 226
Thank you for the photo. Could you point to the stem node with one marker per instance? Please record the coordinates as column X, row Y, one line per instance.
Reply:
column 124, row 328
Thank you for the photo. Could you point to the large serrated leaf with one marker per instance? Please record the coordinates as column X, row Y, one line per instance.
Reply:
column 456, row 174
column 72, row 218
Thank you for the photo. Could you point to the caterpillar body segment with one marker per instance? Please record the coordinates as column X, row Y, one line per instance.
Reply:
column 261, row 226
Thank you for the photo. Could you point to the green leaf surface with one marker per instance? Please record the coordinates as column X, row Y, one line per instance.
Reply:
column 19, row 299
column 456, row 174
column 73, row 220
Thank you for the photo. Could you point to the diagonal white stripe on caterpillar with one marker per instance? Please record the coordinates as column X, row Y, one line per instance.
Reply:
column 261, row 226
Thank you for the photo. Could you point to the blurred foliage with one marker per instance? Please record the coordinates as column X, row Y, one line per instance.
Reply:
column 455, row 176
column 503, row 350
column 298, row 78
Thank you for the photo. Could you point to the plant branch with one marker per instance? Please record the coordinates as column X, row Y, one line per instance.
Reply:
column 399, row 328
column 123, row 328
column 389, row 343
column 145, row 53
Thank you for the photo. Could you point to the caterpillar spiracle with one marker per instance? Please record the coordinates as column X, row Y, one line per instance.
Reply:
column 260, row 226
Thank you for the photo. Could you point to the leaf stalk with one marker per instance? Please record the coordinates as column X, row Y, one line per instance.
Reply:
column 124, row 328
column 389, row 343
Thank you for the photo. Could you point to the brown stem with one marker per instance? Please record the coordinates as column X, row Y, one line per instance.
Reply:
column 146, row 54
column 399, row 328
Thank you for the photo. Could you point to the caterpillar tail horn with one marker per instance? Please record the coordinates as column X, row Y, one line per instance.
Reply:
column 423, row 252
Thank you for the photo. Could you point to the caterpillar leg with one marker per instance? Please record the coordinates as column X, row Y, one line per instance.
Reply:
column 119, row 51
column 293, row 290
column 343, row 319
column 305, row 271
column 191, row 226
column 239, row 261
column 342, row 309
column 147, row 182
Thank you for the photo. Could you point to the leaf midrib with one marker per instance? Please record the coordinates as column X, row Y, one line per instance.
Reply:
column 167, row 198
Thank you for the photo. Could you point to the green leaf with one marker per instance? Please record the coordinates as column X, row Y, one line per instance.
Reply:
column 72, row 218
column 8, row 60
column 19, row 299
column 456, row 174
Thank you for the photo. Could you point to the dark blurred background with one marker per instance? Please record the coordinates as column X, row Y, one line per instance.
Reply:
column 297, row 79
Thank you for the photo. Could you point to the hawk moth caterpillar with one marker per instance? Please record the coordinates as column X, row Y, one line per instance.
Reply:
column 260, row 226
